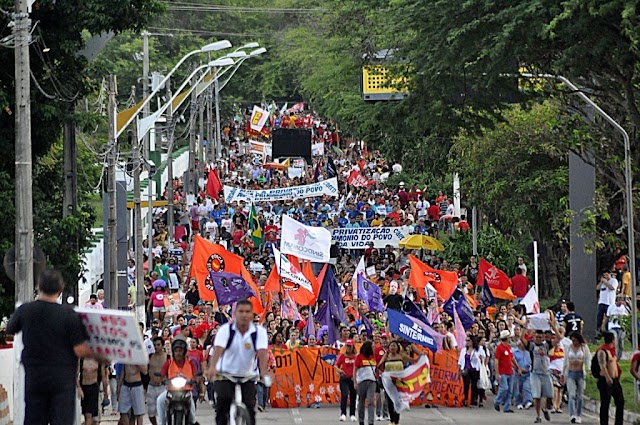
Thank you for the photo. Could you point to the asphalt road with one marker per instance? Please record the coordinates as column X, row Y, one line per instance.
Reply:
column 329, row 415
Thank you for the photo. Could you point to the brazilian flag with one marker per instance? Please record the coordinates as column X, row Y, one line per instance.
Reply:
column 255, row 228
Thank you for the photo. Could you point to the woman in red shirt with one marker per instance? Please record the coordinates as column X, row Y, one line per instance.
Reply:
column 344, row 365
column 236, row 241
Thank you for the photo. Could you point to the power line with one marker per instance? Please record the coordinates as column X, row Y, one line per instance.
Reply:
column 177, row 6
column 176, row 32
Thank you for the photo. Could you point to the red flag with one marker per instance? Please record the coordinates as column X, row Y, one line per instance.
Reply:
column 273, row 282
column 495, row 277
column 357, row 179
column 421, row 274
column 208, row 257
column 307, row 271
column 213, row 184
column 498, row 281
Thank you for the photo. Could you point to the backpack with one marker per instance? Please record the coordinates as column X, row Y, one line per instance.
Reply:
column 232, row 333
column 595, row 364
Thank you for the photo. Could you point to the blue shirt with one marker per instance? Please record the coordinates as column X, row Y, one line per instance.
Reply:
column 523, row 358
column 342, row 222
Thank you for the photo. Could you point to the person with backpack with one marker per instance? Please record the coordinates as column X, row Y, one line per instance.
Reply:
column 605, row 367
column 541, row 385
column 236, row 348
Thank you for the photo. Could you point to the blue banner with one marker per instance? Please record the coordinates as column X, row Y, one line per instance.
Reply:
column 406, row 328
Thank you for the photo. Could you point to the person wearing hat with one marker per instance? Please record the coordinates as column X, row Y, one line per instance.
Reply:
column 504, row 365
column 180, row 365
column 344, row 365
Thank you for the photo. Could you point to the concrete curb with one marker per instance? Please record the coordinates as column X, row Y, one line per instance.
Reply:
column 593, row 406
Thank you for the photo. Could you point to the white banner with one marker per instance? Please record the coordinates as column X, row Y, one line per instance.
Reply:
column 258, row 118
column 115, row 335
column 317, row 149
column 294, row 172
column 307, row 242
column 260, row 147
column 359, row 238
column 327, row 187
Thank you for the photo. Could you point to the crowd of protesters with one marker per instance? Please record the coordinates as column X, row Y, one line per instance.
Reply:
column 524, row 368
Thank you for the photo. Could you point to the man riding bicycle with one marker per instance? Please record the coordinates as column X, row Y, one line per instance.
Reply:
column 236, row 348
column 180, row 365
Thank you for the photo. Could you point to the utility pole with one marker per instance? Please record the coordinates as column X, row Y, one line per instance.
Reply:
column 170, row 129
column 70, row 203
column 24, row 282
column 192, row 182
column 217, row 135
column 145, row 85
column 137, row 216
column 201, row 155
column 112, row 244
column 210, row 140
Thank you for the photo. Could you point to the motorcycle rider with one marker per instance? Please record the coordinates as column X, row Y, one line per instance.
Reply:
column 180, row 365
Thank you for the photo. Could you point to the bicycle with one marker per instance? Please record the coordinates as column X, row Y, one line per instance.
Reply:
column 239, row 413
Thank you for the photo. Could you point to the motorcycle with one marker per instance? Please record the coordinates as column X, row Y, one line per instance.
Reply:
column 178, row 401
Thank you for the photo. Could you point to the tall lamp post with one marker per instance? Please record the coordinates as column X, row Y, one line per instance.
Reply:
column 628, row 196
column 219, row 87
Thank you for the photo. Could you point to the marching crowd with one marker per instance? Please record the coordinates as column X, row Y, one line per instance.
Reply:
column 497, row 350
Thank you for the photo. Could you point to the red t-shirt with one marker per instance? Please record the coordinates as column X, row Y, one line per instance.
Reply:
column 345, row 363
column 196, row 354
column 520, row 285
column 271, row 233
column 370, row 362
column 434, row 212
column 378, row 352
column 237, row 237
column 504, row 356
column 463, row 226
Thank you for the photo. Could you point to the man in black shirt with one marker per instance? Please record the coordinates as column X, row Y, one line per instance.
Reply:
column 54, row 338
column 572, row 321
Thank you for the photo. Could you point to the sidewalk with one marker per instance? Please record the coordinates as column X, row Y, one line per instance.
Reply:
column 593, row 406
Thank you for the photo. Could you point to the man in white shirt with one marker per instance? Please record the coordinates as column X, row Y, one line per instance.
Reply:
column 613, row 322
column 607, row 286
column 236, row 350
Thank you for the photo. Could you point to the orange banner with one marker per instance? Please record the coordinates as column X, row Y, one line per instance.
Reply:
column 305, row 376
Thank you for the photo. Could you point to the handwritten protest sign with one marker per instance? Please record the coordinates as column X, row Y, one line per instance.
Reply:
column 115, row 335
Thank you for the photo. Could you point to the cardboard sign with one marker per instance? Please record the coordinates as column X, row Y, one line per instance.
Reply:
column 115, row 335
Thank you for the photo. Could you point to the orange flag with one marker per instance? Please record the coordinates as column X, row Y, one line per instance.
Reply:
column 208, row 257
column 307, row 271
column 273, row 282
column 267, row 307
column 444, row 282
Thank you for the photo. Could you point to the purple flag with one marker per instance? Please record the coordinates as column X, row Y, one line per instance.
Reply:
column 459, row 302
column 310, row 329
column 370, row 293
column 230, row 287
column 324, row 316
column 330, row 291
column 289, row 309
column 367, row 325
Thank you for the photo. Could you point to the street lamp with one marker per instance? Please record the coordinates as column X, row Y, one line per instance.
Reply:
column 211, row 47
column 628, row 197
column 218, row 87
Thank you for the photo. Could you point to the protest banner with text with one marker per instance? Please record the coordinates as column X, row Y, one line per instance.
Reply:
column 327, row 187
column 359, row 238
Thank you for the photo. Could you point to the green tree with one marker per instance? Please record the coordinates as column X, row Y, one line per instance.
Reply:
column 59, row 79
